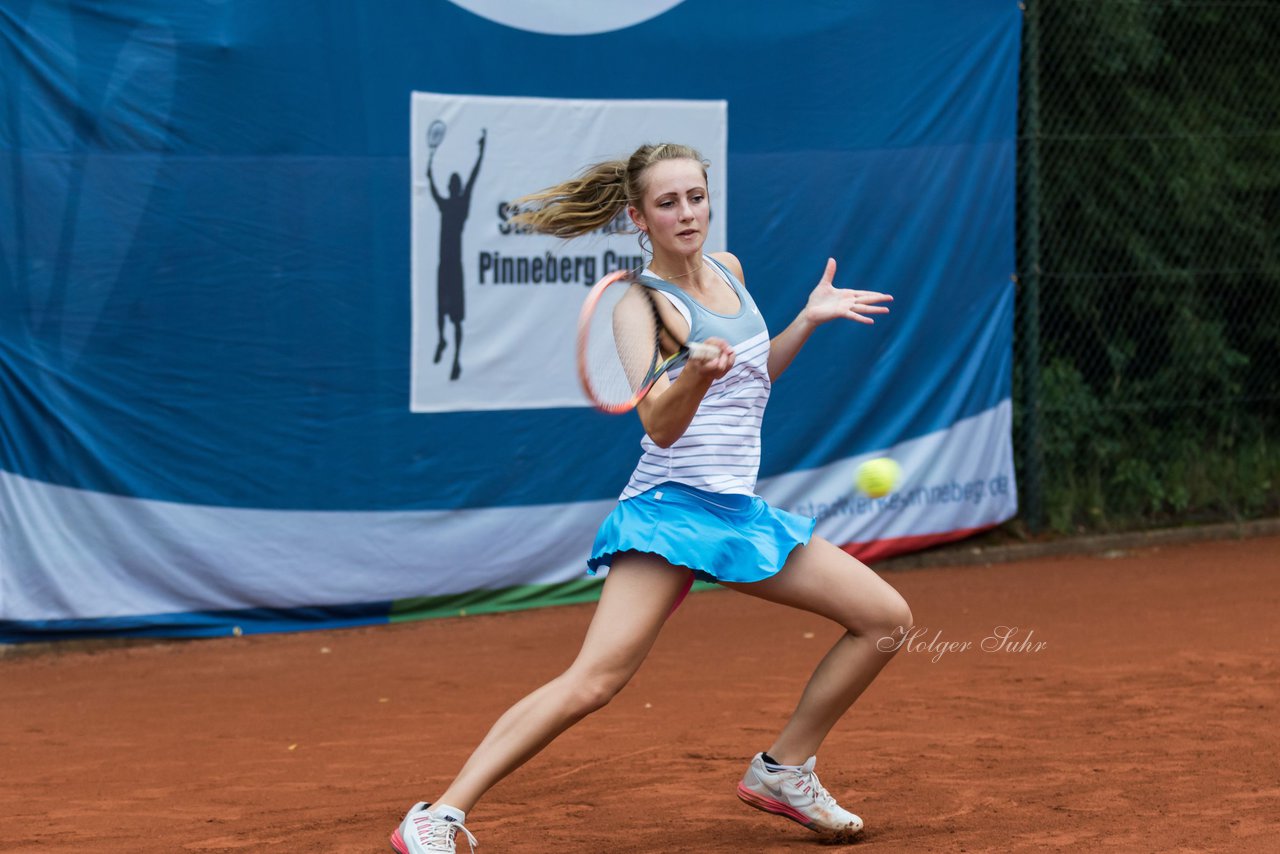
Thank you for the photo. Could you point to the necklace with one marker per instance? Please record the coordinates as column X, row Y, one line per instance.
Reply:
column 681, row 276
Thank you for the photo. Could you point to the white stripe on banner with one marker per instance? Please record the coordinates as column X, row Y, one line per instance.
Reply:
column 68, row 553
column 71, row 554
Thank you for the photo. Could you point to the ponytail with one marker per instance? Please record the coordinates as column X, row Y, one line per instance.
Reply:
column 596, row 197
column 579, row 205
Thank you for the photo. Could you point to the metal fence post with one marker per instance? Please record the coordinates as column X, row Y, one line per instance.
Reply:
column 1031, row 487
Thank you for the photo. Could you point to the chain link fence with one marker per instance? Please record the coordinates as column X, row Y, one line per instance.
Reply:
column 1147, row 385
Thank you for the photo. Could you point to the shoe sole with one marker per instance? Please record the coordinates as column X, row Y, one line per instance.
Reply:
column 776, row 807
column 397, row 842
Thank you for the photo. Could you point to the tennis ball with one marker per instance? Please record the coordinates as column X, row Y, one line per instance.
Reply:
column 877, row 478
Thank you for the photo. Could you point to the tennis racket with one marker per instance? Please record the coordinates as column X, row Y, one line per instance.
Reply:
column 625, row 342
column 435, row 134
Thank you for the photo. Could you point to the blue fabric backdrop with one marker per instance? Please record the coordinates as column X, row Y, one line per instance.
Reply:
column 204, row 285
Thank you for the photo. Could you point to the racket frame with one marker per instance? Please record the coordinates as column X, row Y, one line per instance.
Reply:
column 435, row 134
column 659, row 366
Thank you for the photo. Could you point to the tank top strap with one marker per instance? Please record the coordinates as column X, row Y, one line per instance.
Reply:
column 687, row 305
column 728, row 275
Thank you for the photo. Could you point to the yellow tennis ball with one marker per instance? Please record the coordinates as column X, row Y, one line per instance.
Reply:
column 877, row 478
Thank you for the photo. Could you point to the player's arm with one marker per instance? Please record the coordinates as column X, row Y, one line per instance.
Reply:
column 667, row 410
column 826, row 303
column 475, row 170
column 431, row 179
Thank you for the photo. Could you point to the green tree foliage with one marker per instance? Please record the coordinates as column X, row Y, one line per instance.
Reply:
column 1160, row 257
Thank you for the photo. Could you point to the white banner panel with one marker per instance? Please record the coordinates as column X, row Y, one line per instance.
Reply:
column 494, row 309
column 120, row 556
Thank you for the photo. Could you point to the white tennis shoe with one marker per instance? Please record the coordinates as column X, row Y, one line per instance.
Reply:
column 795, row 793
column 424, row 832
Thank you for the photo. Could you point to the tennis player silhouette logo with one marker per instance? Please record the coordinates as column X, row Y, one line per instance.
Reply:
column 450, row 292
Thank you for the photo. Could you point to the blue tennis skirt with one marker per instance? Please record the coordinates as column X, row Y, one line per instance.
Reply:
column 720, row 537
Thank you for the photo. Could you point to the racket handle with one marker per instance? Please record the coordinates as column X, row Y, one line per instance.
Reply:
column 702, row 352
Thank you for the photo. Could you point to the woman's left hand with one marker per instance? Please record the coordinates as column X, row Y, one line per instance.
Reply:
column 827, row 302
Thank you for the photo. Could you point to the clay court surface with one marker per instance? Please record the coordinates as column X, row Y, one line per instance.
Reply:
column 1147, row 721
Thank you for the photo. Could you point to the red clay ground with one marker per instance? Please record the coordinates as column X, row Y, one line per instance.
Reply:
column 1147, row 722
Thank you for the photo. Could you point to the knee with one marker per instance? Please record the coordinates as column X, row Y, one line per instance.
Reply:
column 590, row 693
column 896, row 616
column 890, row 618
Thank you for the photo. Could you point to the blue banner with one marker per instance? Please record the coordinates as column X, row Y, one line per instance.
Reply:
column 206, row 229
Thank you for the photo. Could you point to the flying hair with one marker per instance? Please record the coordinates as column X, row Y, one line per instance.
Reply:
column 598, row 194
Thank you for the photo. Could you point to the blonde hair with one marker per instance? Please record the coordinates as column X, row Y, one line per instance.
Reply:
column 595, row 197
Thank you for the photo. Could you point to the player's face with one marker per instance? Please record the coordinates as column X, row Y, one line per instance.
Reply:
column 675, row 209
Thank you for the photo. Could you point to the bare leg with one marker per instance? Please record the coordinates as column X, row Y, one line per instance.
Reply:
column 457, row 350
column 638, row 594
column 440, row 334
column 824, row 580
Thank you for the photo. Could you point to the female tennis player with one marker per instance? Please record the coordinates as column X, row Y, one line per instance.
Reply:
column 697, row 474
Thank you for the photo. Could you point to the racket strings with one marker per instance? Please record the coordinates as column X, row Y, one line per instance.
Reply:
column 622, row 344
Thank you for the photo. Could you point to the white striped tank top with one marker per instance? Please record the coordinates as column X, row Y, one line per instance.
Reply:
column 720, row 450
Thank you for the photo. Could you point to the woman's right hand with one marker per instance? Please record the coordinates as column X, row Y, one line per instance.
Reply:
column 667, row 410
column 715, row 366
